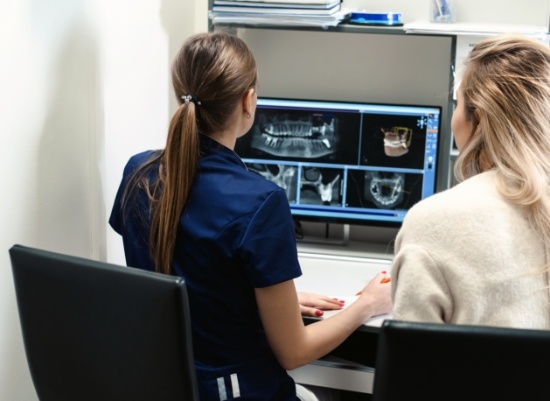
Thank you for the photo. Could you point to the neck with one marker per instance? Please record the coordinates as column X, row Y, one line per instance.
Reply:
column 226, row 140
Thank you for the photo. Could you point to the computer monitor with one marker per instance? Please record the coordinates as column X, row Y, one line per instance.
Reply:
column 345, row 162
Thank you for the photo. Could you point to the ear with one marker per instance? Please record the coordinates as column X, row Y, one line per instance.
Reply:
column 248, row 102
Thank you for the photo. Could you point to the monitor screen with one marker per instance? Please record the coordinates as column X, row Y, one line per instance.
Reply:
column 343, row 162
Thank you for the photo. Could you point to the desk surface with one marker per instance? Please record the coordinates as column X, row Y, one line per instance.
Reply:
column 338, row 275
column 370, row 325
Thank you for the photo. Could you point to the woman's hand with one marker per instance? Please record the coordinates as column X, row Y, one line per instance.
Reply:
column 377, row 294
column 312, row 304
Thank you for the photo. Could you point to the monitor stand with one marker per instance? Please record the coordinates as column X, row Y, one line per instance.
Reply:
column 326, row 240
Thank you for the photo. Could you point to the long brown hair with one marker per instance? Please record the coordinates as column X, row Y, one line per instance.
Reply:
column 210, row 75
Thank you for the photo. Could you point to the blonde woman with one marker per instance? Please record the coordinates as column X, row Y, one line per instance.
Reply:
column 478, row 253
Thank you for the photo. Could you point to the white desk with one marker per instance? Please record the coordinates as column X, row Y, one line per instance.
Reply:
column 341, row 273
column 337, row 275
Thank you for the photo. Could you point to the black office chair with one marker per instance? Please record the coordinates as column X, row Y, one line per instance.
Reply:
column 423, row 361
column 99, row 332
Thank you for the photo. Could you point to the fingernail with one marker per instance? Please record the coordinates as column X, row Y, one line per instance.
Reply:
column 384, row 272
column 319, row 313
column 385, row 280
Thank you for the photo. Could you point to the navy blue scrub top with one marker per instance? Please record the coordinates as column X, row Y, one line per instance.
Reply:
column 236, row 234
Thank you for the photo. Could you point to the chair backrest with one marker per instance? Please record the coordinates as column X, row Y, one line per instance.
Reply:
column 95, row 331
column 458, row 362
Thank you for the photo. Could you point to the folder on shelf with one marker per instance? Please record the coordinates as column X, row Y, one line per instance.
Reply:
column 296, row 4
column 315, row 3
column 321, row 13
column 245, row 9
column 294, row 7
column 263, row 19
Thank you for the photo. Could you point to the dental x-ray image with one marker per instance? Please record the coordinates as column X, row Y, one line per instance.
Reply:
column 383, row 189
column 283, row 175
column 295, row 134
column 321, row 186
column 302, row 135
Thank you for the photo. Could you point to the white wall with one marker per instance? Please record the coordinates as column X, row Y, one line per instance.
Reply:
column 84, row 84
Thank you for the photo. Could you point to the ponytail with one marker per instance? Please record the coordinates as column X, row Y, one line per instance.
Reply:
column 179, row 164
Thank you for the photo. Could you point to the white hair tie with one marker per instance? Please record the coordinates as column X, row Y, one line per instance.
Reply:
column 190, row 98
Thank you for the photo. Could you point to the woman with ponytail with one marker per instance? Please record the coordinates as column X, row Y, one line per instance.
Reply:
column 478, row 253
column 192, row 209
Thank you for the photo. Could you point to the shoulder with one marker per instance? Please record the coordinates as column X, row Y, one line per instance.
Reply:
column 462, row 208
column 471, row 196
column 233, row 193
column 139, row 159
column 258, row 194
column 222, row 166
column 260, row 181
column 142, row 157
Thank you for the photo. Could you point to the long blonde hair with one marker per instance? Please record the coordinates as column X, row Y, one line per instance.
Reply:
column 210, row 75
column 506, row 94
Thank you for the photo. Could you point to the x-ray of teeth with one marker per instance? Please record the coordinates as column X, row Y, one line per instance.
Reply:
column 397, row 141
column 298, row 135
column 318, row 190
column 384, row 189
column 282, row 175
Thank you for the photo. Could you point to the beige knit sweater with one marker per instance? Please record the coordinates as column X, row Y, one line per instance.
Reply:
column 467, row 255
